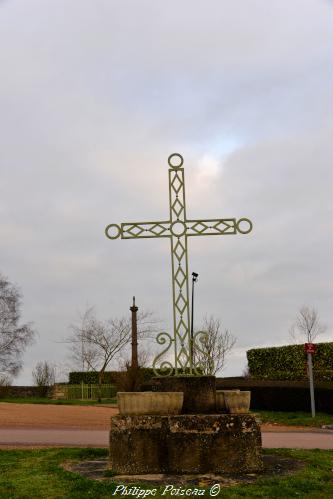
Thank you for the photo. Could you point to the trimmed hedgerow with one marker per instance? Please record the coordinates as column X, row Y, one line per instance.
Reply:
column 110, row 377
column 276, row 395
column 290, row 362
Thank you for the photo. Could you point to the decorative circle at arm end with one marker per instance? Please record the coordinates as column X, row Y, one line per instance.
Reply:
column 246, row 230
column 113, row 234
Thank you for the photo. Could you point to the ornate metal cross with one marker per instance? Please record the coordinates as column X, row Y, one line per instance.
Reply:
column 178, row 228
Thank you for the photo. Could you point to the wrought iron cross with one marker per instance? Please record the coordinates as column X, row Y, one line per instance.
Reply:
column 178, row 228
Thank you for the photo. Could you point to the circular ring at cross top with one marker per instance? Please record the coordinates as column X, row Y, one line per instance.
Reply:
column 179, row 162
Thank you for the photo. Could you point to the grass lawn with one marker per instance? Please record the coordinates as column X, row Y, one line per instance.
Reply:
column 45, row 400
column 295, row 418
column 36, row 473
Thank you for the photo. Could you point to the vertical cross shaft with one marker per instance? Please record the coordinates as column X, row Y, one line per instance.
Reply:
column 179, row 261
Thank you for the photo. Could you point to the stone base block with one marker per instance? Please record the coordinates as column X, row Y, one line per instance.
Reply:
column 209, row 443
column 199, row 392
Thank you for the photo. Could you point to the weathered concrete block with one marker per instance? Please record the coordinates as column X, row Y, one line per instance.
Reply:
column 199, row 392
column 214, row 443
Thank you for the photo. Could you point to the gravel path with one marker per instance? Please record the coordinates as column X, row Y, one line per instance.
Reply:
column 55, row 416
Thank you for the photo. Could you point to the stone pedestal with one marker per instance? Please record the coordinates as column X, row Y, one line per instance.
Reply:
column 201, row 443
column 199, row 392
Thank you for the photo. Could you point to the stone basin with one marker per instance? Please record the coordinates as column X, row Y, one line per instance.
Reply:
column 154, row 403
column 220, row 399
column 238, row 403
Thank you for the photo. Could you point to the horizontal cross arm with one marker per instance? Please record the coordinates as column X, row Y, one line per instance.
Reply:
column 218, row 227
column 136, row 230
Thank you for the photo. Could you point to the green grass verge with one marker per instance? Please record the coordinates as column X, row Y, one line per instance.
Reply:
column 295, row 418
column 37, row 473
column 44, row 400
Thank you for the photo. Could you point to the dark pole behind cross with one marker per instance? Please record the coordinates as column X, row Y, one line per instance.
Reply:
column 134, row 309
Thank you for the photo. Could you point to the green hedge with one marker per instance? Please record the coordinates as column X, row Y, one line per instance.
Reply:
column 24, row 391
column 110, row 377
column 91, row 377
column 290, row 362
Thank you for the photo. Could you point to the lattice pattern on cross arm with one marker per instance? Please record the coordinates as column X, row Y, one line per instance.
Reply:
column 145, row 229
column 223, row 226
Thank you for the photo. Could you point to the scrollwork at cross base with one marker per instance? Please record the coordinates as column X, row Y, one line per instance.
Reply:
column 178, row 228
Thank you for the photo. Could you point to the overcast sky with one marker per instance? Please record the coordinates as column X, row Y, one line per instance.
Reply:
column 94, row 97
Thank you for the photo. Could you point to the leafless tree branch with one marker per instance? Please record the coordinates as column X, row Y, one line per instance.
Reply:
column 14, row 338
column 217, row 344
column 307, row 325
column 44, row 374
column 94, row 343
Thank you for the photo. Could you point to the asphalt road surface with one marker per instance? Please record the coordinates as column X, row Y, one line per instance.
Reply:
column 12, row 437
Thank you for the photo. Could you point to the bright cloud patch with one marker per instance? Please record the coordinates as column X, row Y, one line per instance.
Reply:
column 208, row 167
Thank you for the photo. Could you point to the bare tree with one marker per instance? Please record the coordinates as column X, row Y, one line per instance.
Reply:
column 44, row 374
column 14, row 337
column 124, row 362
column 307, row 325
column 5, row 380
column 216, row 343
column 95, row 343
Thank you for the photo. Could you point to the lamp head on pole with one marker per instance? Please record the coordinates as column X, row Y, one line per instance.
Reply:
column 195, row 276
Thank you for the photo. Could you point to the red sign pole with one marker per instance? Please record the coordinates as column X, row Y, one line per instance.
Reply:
column 310, row 348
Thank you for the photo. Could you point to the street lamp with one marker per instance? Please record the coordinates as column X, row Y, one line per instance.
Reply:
column 194, row 279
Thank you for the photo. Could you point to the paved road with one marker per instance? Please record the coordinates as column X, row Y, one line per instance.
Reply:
column 49, row 437
column 297, row 440
column 99, row 438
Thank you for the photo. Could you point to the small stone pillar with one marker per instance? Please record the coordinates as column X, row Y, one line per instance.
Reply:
column 199, row 392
